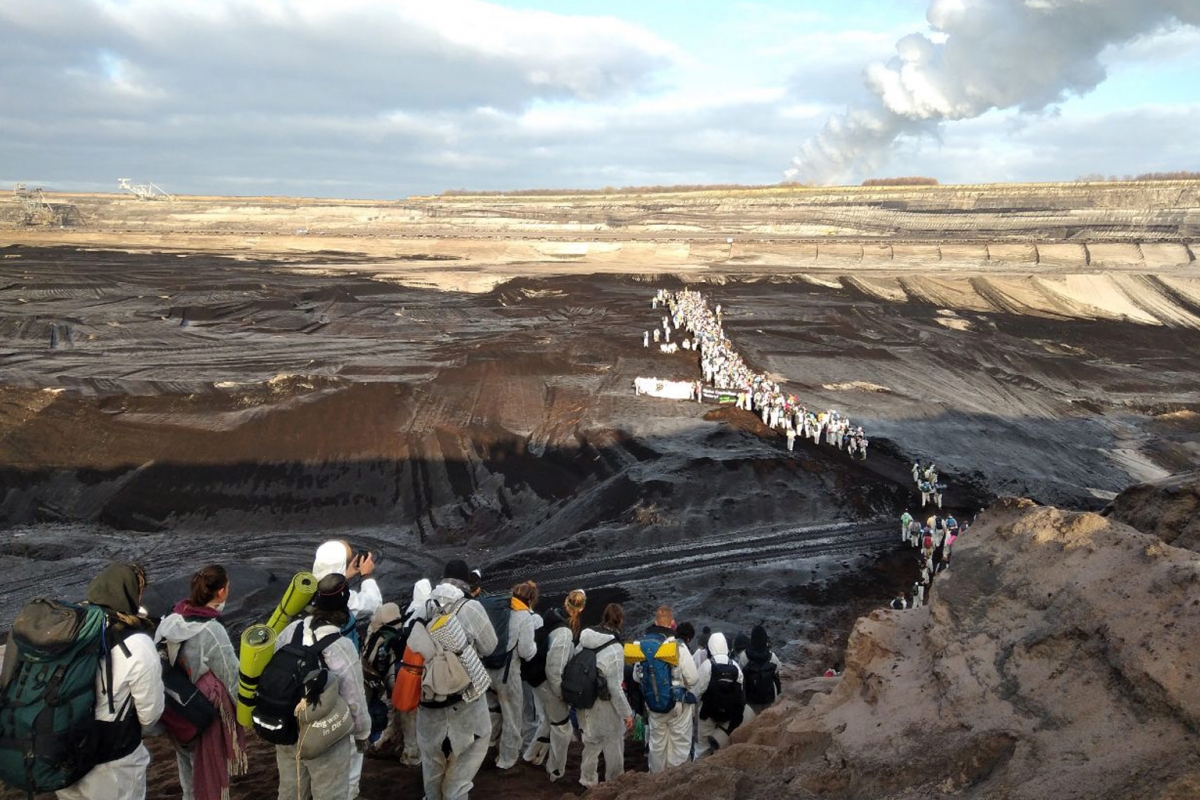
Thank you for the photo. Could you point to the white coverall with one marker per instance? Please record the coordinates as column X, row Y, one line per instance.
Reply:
column 556, row 721
column 709, row 734
column 669, row 735
column 205, row 648
column 466, row 726
column 510, row 693
column 137, row 676
column 604, row 723
column 364, row 602
column 328, row 776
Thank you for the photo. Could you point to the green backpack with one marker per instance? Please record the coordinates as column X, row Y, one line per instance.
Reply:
column 48, row 731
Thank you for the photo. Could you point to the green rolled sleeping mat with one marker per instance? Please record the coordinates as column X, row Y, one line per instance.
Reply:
column 258, row 641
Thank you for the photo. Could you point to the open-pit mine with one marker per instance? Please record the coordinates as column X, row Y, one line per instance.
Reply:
column 235, row 380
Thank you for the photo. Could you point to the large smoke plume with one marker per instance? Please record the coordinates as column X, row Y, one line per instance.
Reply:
column 984, row 54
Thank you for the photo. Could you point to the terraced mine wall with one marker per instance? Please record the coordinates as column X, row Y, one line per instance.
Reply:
column 1084, row 213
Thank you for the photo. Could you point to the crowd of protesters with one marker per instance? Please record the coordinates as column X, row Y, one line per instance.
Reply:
column 697, row 327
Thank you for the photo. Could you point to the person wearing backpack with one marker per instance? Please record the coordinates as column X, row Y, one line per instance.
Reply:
column 760, row 670
column 402, row 725
column 604, row 723
column 195, row 640
column 555, row 641
column 452, row 730
column 129, row 689
column 504, row 665
column 667, row 683
column 326, row 775
column 722, row 699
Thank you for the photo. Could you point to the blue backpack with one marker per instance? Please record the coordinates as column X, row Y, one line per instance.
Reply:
column 657, row 690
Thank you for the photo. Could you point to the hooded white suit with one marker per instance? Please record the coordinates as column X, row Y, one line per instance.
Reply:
column 466, row 726
column 364, row 602
column 709, row 734
column 604, row 723
column 203, row 646
column 555, row 718
column 506, row 682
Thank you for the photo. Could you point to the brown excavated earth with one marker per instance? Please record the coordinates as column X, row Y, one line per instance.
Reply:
column 237, row 379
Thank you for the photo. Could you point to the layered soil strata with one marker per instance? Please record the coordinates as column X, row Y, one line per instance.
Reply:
column 202, row 381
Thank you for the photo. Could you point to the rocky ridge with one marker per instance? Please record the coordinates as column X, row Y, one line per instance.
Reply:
column 1056, row 659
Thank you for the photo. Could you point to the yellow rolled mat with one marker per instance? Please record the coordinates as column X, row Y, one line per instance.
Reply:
column 258, row 645
column 299, row 592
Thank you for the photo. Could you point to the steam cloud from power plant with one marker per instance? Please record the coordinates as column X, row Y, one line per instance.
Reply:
column 984, row 55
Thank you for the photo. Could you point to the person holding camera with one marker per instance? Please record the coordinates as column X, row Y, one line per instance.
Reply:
column 337, row 557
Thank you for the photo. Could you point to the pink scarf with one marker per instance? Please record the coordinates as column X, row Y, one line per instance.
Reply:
column 220, row 752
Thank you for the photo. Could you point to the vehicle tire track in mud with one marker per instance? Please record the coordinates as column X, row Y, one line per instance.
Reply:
column 838, row 540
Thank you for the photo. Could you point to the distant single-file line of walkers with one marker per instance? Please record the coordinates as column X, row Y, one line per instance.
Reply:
column 335, row 672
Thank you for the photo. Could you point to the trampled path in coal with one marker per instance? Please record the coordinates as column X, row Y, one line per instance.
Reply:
column 187, row 409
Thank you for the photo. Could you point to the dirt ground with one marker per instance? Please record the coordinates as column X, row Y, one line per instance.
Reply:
column 186, row 407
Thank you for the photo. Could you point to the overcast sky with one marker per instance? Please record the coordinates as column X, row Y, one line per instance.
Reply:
column 387, row 98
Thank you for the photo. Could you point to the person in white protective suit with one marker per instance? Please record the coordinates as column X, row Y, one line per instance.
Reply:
column 906, row 520
column 604, row 724
column 453, row 733
column 198, row 642
column 645, row 338
column 506, row 680
column 669, row 734
column 712, row 735
column 134, row 676
column 337, row 557
column 554, row 719
column 328, row 776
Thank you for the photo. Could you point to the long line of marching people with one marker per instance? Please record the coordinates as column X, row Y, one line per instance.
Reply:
column 724, row 369
column 438, row 679
column 932, row 539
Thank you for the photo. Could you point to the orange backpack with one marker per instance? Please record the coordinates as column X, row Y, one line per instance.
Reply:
column 406, row 694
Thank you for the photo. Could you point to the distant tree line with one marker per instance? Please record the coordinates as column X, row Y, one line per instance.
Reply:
column 1181, row 175
column 690, row 187
column 912, row 180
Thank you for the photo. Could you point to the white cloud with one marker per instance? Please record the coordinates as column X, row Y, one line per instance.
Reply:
column 389, row 97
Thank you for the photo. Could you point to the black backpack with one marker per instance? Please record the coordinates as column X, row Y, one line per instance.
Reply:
column 499, row 611
column 288, row 677
column 582, row 684
column 760, row 678
column 382, row 654
column 187, row 713
column 723, row 701
column 533, row 671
